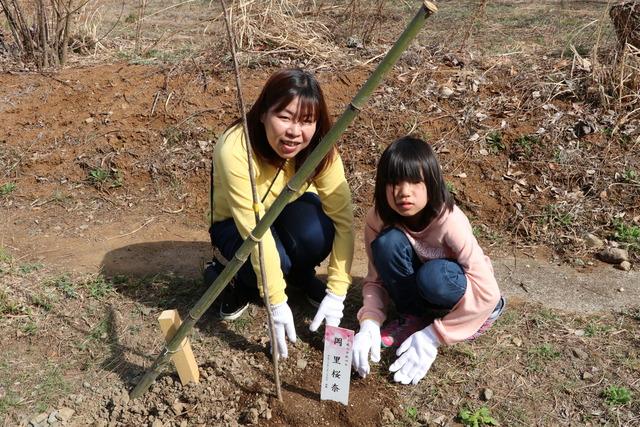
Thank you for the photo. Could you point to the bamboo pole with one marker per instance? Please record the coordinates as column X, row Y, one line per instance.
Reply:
column 256, row 203
column 426, row 10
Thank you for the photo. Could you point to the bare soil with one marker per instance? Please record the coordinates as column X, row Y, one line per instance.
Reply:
column 106, row 226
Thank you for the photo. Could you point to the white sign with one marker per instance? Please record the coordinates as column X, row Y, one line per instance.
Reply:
column 336, row 366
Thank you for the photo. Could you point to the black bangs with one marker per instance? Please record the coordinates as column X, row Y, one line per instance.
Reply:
column 404, row 167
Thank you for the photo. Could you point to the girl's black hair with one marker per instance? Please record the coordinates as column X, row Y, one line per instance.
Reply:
column 413, row 160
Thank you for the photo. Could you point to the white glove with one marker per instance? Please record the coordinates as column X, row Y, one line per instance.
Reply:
column 417, row 353
column 283, row 321
column 366, row 340
column 330, row 309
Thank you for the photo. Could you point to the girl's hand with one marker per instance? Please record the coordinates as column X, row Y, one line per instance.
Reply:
column 417, row 353
column 366, row 340
column 330, row 310
column 283, row 322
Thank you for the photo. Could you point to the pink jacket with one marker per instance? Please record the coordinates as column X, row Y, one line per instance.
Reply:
column 448, row 236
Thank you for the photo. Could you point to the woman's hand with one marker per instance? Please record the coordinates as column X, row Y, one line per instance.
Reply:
column 366, row 340
column 330, row 310
column 283, row 322
column 417, row 353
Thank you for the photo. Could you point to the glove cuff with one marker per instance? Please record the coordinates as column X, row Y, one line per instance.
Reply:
column 431, row 335
column 280, row 309
column 368, row 324
column 338, row 298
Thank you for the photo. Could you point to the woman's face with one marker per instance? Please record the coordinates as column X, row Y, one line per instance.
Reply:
column 407, row 198
column 287, row 132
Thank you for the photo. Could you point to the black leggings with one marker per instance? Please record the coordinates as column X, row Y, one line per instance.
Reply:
column 303, row 234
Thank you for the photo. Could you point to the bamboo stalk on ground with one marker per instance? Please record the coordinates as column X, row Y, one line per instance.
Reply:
column 256, row 202
column 426, row 10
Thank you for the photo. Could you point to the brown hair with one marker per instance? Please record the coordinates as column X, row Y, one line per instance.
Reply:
column 279, row 90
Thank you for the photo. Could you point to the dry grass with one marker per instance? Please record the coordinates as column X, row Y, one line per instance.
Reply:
column 278, row 27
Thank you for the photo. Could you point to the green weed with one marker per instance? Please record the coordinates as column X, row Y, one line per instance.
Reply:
column 494, row 142
column 5, row 256
column 525, row 144
column 412, row 412
column 29, row 328
column 11, row 307
column 99, row 332
column 627, row 233
column 105, row 178
column 116, row 181
column 559, row 156
column 484, row 232
column 51, row 388
column 629, row 175
column 9, row 401
column 477, row 418
column 555, row 217
column 29, row 268
column 99, row 287
column 592, row 329
column 508, row 317
column 98, row 175
column 174, row 135
column 43, row 301
column 240, row 324
column 546, row 314
column 545, row 352
column 539, row 355
column 7, row 188
column 451, row 188
column 467, row 352
column 65, row 285
column 616, row 396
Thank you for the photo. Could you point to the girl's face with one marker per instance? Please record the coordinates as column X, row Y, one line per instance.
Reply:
column 408, row 199
column 287, row 132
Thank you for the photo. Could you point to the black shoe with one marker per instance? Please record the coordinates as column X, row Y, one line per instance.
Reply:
column 316, row 290
column 211, row 272
column 233, row 302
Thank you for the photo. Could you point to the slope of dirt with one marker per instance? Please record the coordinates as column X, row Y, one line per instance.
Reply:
column 106, row 227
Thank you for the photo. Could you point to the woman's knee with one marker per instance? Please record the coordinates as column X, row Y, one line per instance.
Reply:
column 305, row 230
column 441, row 282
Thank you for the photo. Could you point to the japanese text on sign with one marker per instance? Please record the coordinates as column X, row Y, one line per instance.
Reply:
column 336, row 367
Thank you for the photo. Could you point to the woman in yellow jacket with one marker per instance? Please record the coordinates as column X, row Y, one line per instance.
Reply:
column 285, row 124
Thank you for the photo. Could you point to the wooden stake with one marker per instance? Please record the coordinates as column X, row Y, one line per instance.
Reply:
column 183, row 358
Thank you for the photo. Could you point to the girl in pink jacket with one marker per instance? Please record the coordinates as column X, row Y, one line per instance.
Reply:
column 424, row 258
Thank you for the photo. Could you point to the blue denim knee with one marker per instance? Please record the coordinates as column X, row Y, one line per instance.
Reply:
column 441, row 282
column 415, row 286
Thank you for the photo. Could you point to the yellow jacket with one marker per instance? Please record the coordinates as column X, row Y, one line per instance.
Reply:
column 232, row 199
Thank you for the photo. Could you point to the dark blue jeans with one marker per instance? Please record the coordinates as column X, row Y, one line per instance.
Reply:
column 303, row 234
column 415, row 287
